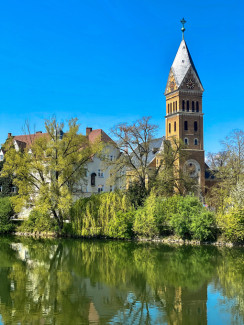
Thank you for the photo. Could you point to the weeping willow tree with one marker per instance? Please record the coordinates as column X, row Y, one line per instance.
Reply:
column 107, row 214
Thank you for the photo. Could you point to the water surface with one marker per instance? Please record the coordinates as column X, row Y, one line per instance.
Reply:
column 114, row 282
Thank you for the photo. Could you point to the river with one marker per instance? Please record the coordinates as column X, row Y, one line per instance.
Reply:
column 66, row 282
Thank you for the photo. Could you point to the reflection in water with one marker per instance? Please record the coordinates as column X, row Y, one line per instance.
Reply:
column 97, row 282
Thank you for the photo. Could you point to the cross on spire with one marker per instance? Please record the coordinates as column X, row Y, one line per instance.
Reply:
column 183, row 21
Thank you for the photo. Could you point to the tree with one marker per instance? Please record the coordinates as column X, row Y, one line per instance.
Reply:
column 46, row 171
column 146, row 165
column 228, row 167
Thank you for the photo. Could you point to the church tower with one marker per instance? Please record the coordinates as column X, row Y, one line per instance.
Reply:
column 184, row 116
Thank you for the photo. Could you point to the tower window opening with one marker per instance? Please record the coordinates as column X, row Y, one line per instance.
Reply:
column 195, row 126
column 168, row 108
column 175, row 126
column 173, row 106
column 176, row 106
column 197, row 106
column 187, row 106
column 195, row 142
column 169, row 127
column 193, row 106
column 185, row 125
column 186, row 141
column 183, row 105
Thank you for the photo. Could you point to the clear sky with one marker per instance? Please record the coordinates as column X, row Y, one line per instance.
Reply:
column 107, row 61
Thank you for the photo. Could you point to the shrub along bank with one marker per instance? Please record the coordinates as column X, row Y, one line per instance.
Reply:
column 6, row 212
column 113, row 215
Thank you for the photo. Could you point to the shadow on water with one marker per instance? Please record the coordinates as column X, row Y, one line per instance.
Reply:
column 112, row 282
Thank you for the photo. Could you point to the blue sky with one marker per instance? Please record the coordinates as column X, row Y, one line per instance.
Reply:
column 107, row 61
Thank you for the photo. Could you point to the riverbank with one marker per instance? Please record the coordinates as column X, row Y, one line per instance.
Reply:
column 164, row 240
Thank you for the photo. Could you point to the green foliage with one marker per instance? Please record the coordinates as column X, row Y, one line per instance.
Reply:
column 107, row 214
column 38, row 222
column 147, row 217
column 6, row 183
column 136, row 194
column 46, row 172
column 232, row 224
column 185, row 216
column 6, row 212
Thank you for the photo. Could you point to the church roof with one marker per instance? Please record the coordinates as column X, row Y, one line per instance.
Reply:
column 182, row 64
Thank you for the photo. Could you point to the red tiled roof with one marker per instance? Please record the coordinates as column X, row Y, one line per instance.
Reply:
column 99, row 135
column 28, row 139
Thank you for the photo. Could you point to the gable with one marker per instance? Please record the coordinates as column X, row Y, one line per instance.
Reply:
column 171, row 83
column 191, row 81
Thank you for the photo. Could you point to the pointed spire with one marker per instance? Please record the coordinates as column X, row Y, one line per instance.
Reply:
column 183, row 21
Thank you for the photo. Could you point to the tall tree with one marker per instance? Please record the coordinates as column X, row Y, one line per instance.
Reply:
column 145, row 165
column 228, row 166
column 46, row 170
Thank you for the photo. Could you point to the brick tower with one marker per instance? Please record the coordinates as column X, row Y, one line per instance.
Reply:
column 184, row 117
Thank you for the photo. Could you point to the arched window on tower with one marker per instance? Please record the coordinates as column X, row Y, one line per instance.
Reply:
column 187, row 106
column 169, row 127
column 185, row 125
column 197, row 106
column 193, row 106
column 175, row 126
column 176, row 106
column 195, row 126
column 196, row 142
column 186, row 141
column 168, row 108
column 173, row 106
column 183, row 105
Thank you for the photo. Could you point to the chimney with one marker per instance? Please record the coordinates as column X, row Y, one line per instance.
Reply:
column 9, row 135
column 38, row 132
column 88, row 131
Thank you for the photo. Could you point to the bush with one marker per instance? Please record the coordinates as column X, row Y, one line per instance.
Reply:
column 148, row 217
column 38, row 222
column 189, row 219
column 6, row 212
column 232, row 224
column 105, row 214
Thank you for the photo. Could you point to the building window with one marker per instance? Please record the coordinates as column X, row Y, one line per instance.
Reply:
column 100, row 173
column 176, row 106
column 1, row 157
column 175, row 126
column 111, row 158
column 186, row 141
column 183, row 105
column 100, row 188
column 195, row 126
column 168, row 108
column 13, row 189
column 193, row 106
column 197, row 107
column 187, row 106
column 169, row 127
column 185, row 125
column 1, row 188
column 195, row 142
column 93, row 179
column 111, row 188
